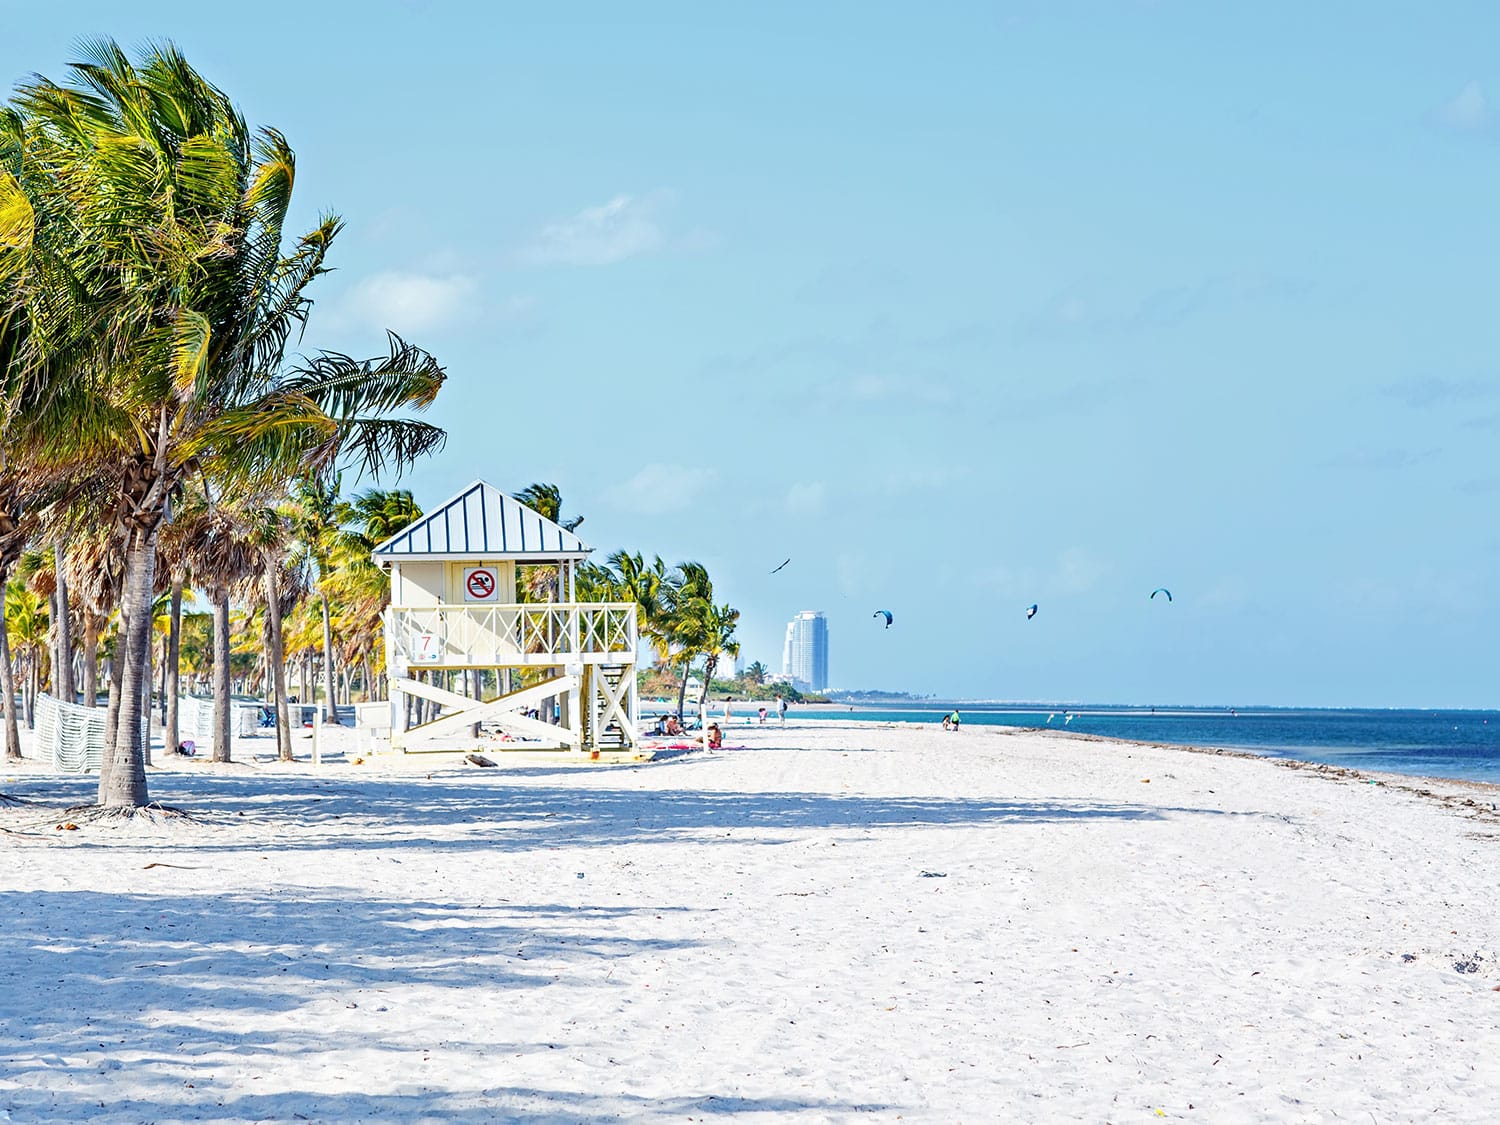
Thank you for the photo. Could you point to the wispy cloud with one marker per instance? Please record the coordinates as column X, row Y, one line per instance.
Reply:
column 408, row 302
column 1085, row 306
column 658, row 489
column 806, row 498
column 625, row 227
column 1431, row 391
column 1380, row 459
column 906, row 389
column 1468, row 111
column 926, row 479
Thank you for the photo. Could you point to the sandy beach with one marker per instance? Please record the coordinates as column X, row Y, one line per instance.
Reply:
column 822, row 922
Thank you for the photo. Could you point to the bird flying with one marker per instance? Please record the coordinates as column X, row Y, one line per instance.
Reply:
column 779, row 567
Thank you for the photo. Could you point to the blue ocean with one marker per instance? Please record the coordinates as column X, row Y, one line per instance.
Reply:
column 1453, row 744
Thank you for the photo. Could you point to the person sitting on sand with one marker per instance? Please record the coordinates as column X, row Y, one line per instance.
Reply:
column 715, row 736
column 947, row 722
column 672, row 725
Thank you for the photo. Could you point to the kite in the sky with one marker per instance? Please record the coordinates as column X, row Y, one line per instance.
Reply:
column 779, row 567
column 1030, row 611
column 1162, row 590
column 886, row 614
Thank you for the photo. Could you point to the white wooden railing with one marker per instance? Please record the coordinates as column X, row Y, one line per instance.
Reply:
column 510, row 635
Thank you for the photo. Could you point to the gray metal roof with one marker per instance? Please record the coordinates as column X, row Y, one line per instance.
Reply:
column 483, row 523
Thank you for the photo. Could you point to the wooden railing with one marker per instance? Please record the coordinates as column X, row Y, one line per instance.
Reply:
column 501, row 635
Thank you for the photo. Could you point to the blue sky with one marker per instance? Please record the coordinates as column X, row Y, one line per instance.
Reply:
column 961, row 307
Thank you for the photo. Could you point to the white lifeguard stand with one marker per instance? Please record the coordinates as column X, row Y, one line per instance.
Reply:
column 457, row 613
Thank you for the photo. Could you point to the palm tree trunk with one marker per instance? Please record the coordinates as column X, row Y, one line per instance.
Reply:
column 709, row 665
column 112, row 704
column 148, row 679
column 90, row 659
column 329, row 677
column 62, row 664
column 276, row 663
column 171, row 732
column 8, row 681
column 122, row 774
column 221, row 675
column 33, row 685
column 687, row 668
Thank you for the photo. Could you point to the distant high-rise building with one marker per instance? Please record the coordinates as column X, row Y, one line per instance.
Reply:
column 804, row 656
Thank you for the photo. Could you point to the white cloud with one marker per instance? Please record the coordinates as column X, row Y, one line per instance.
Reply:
column 408, row 302
column 1078, row 571
column 806, row 498
column 625, row 227
column 923, row 479
column 1467, row 111
column 659, row 489
column 895, row 388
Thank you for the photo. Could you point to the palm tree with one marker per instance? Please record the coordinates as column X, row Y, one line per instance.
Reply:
column 757, row 673
column 687, row 601
column 162, row 289
column 542, row 581
column 27, row 625
column 321, row 514
column 546, row 501
column 714, row 630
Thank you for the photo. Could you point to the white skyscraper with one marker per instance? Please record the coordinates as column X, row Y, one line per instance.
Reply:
column 804, row 656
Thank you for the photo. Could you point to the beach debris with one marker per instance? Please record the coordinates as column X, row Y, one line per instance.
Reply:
column 1407, row 958
column 934, row 874
column 1471, row 965
column 1031, row 611
column 1161, row 590
column 886, row 614
column 179, row 866
column 779, row 567
column 478, row 760
column 67, row 826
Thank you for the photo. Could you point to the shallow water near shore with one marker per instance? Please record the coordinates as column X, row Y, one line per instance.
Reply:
column 1464, row 745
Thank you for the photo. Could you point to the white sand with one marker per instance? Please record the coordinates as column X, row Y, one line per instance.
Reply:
column 835, row 922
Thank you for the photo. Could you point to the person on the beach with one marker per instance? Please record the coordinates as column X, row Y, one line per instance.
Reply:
column 762, row 714
column 950, row 721
column 715, row 736
column 727, row 712
column 781, row 708
column 673, row 726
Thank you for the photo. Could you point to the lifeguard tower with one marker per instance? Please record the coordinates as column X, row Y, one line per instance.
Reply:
column 553, row 672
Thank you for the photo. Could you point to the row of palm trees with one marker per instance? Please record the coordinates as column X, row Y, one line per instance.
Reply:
column 155, row 428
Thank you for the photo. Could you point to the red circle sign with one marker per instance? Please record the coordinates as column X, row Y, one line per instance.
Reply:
column 480, row 584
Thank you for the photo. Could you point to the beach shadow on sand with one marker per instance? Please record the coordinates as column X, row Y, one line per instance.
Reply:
column 500, row 815
column 132, row 1007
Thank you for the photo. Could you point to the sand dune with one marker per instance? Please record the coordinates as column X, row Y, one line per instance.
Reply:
column 829, row 922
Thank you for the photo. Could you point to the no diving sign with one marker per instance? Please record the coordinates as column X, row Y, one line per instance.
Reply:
column 481, row 584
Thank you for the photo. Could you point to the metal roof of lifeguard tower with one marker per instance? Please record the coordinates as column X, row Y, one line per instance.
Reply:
column 482, row 522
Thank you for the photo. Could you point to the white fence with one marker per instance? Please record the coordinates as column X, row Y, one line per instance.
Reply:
column 195, row 720
column 69, row 736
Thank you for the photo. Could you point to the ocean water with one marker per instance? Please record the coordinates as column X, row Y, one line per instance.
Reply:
column 1454, row 744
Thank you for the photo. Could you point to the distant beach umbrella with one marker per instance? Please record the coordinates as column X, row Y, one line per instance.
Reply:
column 886, row 614
column 1162, row 590
column 1030, row 611
column 779, row 567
